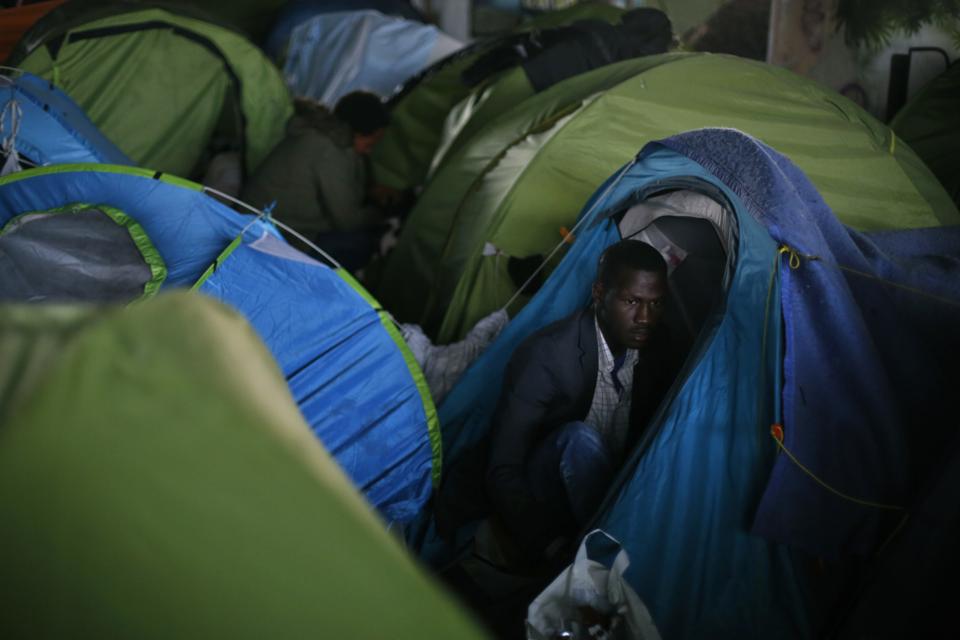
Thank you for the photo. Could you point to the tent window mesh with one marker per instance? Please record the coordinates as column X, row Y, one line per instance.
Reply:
column 75, row 256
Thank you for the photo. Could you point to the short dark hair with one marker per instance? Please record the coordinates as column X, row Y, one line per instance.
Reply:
column 629, row 254
column 363, row 111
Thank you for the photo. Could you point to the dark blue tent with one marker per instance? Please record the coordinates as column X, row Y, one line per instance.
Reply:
column 791, row 433
column 349, row 370
column 52, row 128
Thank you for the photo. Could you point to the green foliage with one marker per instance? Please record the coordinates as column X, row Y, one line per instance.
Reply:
column 873, row 22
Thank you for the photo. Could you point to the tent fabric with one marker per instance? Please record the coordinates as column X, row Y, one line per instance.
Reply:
column 297, row 12
column 332, row 54
column 14, row 21
column 837, row 328
column 169, row 89
column 909, row 590
column 365, row 388
column 698, row 568
column 158, row 481
column 709, row 513
column 52, row 128
column 476, row 110
column 519, row 181
column 930, row 124
column 549, row 56
column 78, row 253
column 352, row 375
column 418, row 110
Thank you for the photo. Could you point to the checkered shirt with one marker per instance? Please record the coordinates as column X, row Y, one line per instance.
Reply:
column 610, row 409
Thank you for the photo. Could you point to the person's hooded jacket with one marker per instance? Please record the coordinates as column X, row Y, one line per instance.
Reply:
column 317, row 180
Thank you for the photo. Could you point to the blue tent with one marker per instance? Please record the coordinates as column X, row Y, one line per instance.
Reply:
column 351, row 374
column 52, row 128
column 332, row 54
column 814, row 353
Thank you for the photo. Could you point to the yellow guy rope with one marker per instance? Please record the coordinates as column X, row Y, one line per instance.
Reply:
column 776, row 430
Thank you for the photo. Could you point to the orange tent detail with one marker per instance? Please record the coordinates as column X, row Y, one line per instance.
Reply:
column 15, row 22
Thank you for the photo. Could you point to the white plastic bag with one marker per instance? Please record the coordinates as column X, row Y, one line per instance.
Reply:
column 590, row 601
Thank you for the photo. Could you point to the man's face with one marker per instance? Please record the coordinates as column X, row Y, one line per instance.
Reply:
column 630, row 309
column 363, row 144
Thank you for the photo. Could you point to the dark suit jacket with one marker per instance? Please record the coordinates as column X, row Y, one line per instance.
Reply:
column 549, row 382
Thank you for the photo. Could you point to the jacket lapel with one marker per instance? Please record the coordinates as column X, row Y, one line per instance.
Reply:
column 588, row 359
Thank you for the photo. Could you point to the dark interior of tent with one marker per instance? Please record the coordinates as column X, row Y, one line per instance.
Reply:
column 23, row 159
column 695, row 232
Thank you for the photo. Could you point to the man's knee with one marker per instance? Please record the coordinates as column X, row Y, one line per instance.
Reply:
column 580, row 439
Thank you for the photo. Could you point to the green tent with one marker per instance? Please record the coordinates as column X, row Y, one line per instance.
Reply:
column 478, row 108
column 169, row 89
column 930, row 124
column 253, row 17
column 526, row 175
column 417, row 113
column 158, row 481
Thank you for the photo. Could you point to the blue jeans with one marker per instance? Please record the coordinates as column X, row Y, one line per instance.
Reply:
column 570, row 472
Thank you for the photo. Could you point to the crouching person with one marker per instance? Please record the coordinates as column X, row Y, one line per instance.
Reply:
column 576, row 398
column 318, row 178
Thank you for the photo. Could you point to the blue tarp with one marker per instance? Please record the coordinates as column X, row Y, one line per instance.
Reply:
column 704, row 559
column 351, row 379
column 298, row 11
column 344, row 370
column 53, row 129
column 333, row 54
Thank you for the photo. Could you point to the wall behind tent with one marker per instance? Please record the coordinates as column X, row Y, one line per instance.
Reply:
column 804, row 38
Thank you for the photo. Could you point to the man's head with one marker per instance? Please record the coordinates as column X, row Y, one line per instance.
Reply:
column 629, row 294
column 367, row 117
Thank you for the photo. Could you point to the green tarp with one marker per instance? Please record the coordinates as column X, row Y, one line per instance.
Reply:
column 159, row 84
column 512, row 188
column 158, row 481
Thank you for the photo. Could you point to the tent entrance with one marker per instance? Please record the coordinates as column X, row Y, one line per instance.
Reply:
column 696, row 234
column 78, row 253
column 695, row 228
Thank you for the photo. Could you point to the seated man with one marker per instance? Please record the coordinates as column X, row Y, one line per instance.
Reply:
column 318, row 176
column 576, row 397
